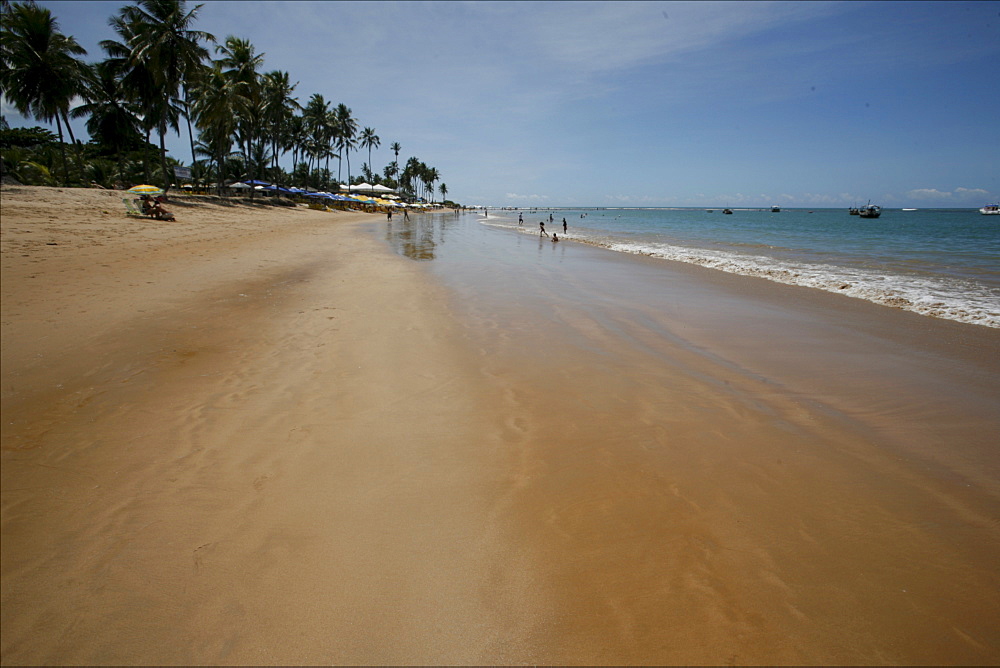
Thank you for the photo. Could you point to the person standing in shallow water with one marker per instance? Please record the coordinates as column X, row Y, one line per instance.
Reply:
column 541, row 226
column 520, row 219
column 564, row 226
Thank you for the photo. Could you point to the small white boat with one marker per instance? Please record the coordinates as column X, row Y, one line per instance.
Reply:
column 990, row 210
column 775, row 209
column 909, row 209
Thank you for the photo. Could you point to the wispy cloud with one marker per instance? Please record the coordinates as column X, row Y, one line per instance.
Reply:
column 958, row 194
column 530, row 198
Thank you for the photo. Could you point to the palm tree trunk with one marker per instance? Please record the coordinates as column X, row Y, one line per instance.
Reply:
column 187, row 117
column 145, row 155
column 69, row 129
column 62, row 149
column 163, row 157
column 121, row 166
column 218, row 174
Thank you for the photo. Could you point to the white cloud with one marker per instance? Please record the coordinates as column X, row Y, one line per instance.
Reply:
column 928, row 193
column 533, row 198
column 960, row 193
column 815, row 198
column 971, row 193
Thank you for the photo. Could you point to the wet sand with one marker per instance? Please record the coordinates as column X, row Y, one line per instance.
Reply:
column 263, row 436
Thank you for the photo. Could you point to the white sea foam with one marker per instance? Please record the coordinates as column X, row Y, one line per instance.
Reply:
column 963, row 301
column 952, row 299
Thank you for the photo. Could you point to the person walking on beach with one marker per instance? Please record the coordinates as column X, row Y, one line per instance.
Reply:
column 388, row 213
column 541, row 225
column 520, row 219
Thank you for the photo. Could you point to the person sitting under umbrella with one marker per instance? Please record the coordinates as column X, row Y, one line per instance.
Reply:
column 152, row 207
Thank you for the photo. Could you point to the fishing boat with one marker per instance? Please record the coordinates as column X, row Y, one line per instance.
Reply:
column 990, row 210
column 854, row 211
column 775, row 209
column 870, row 211
column 727, row 211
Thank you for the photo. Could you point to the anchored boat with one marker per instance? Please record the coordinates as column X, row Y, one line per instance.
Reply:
column 870, row 211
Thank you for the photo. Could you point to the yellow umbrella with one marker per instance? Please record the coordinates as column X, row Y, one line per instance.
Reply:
column 146, row 190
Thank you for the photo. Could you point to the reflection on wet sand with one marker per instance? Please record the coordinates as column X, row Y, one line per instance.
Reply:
column 417, row 237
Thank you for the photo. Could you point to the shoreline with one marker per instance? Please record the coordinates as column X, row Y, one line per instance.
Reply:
column 265, row 437
column 927, row 289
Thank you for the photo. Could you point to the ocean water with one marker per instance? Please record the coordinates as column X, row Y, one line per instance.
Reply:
column 943, row 263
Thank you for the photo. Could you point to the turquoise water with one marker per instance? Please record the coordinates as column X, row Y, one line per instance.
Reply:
column 938, row 262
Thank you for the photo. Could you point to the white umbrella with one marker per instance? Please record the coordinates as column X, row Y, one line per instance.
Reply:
column 239, row 185
column 363, row 186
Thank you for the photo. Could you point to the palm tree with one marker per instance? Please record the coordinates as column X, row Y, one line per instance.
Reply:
column 296, row 135
column 159, row 37
column 347, row 130
column 135, row 78
column 443, row 189
column 410, row 172
column 396, row 148
column 279, row 107
column 241, row 63
column 317, row 126
column 111, row 119
column 431, row 175
column 369, row 140
column 40, row 72
column 333, row 139
column 219, row 100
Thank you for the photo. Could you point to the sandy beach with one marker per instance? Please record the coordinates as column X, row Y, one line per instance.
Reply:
column 261, row 435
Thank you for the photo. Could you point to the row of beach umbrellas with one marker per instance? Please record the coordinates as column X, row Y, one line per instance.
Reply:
column 263, row 185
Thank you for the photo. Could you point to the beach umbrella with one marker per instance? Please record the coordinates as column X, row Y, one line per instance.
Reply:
column 146, row 190
column 239, row 186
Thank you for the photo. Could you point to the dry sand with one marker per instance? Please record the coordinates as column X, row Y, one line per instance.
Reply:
column 259, row 436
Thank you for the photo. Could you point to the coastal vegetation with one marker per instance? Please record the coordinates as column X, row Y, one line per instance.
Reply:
column 161, row 75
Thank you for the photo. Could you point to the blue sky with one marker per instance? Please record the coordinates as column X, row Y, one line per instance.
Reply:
column 645, row 104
